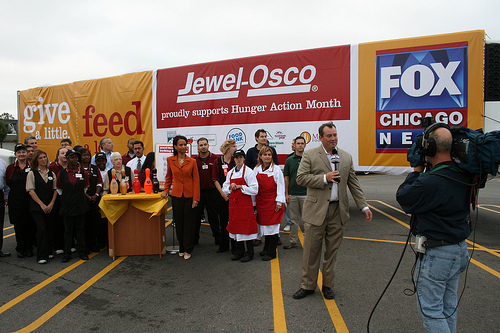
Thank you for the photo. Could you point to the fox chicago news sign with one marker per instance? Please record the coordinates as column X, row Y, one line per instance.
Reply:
column 419, row 82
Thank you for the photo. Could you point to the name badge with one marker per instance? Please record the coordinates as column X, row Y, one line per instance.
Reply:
column 78, row 175
column 204, row 166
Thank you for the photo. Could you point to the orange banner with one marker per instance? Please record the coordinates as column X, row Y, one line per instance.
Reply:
column 118, row 107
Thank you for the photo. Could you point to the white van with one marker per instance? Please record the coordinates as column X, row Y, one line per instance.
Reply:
column 7, row 156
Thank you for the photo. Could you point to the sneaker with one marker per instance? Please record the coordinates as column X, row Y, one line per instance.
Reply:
column 73, row 249
column 51, row 256
column 286, row 228
column 59, row 251
column 42, row 261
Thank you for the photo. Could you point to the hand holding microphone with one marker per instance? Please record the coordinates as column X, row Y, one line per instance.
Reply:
column 335, row 159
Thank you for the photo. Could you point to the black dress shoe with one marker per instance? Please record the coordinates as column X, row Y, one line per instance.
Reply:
column 328, row 292
column 267, row 258
column 84, row 257
column 262, row 253
column 222, row 249
column 236, row 257
column 66, row 258
column 302, row 293
column 4, row 254
column 21, row 254
column 291, row 246
column 246, row 258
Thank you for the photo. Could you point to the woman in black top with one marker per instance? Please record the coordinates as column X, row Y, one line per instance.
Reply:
column 19, row 203
column 222, row 166
column 71, row 185
column 93, row 228
column 41, row 186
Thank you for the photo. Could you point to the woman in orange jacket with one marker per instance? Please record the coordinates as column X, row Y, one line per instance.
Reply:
column 182, row 173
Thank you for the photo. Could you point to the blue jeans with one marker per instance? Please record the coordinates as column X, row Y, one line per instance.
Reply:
column 437, row 276
column 287, row 216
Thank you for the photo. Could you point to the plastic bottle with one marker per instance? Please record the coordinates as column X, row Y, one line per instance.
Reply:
column 136, row 185
column 113, row 185
column 123, row 184
column 148, row 184
column 156, row 183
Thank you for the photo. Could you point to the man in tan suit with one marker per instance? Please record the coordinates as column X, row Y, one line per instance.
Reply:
column 326, row 208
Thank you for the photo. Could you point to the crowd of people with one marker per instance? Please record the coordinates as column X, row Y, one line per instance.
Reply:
column 243, row 195
column 54, row 206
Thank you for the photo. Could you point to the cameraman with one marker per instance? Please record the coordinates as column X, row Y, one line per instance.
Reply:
column 440, row 203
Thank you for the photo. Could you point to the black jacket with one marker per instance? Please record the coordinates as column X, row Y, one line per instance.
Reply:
column 441, row 205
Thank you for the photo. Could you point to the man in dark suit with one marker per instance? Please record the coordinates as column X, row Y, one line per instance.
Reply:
column 326, row 172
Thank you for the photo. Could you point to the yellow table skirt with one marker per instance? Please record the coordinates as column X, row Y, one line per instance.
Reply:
column 115, row 206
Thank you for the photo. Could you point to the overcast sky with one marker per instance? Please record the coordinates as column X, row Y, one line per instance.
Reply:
column 55, row 42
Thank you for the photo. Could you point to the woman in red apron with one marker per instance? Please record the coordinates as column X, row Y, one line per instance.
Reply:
column 240, row 185
column 269, row 201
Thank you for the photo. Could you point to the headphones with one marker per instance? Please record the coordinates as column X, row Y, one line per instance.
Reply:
column 429, row 144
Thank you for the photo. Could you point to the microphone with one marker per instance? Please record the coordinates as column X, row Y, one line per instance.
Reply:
column 335, row 160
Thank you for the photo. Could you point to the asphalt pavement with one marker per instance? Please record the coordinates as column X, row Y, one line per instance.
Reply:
column 211, row 293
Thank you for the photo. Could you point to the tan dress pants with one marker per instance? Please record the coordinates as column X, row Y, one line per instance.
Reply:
column 331, row 231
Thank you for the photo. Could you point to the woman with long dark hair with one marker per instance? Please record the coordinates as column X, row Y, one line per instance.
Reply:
column 59, row 164
column 41, row 186
column 19, row 202
column 182, row 171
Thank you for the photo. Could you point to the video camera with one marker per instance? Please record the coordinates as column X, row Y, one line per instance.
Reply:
column 472, row 150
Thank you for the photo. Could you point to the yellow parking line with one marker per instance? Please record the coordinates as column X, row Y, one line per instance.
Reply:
column 8, row 227
column 488, row 209
column 486, row 268
column 278, row 305
column 58, row 307
column 333, row 310
column 477, row 246
column 331, row 305
column 390, row 216
column 390, row 206
column 9, row 235
column 41, row 285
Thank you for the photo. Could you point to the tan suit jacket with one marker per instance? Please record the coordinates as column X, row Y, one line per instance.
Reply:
column 313, row 166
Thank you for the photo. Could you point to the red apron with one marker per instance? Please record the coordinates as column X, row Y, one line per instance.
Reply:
column 266, row 201
column 241, row 214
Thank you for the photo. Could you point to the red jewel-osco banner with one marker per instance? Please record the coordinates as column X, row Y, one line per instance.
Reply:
column 310, row 85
